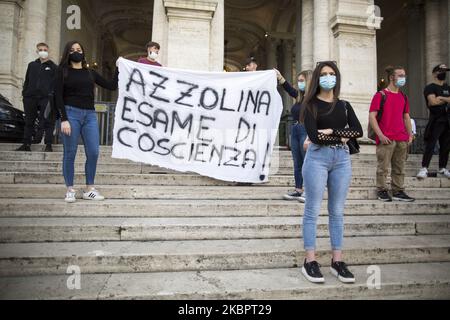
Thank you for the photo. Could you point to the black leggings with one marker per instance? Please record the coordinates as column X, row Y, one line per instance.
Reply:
column 440, row 132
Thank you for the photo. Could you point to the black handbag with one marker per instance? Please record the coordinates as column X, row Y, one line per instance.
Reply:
column 353, row 145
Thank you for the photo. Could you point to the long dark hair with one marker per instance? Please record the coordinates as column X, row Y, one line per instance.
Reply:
column 65, row 62
column 313, row 89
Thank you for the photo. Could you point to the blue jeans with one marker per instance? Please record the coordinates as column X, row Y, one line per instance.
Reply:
column 298, row 137
column 84, row 123
column 326, row 167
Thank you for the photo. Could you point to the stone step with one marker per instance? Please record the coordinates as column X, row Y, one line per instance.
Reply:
column 367, row 152
column 281, row 159
column 13, row 230
column 56, row 167
column 17, row 165
column 156, row 179
column 398, row 281
column 206, row 208
column 44, row 191
column 195, row 255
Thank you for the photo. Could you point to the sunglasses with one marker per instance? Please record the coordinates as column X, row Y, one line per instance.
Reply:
column 329, row 61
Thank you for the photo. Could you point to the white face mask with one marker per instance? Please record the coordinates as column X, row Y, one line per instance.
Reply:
column 43, row 54
column 153, row 55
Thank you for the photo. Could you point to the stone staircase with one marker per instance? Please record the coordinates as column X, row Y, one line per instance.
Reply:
column 166, row 235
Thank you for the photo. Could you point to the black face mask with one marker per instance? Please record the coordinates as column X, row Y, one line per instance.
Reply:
column 442, row 76
column 76, row 57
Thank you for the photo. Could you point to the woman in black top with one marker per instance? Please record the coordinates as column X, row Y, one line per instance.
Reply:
column 330, row 123
column 298, row 131
column 75, row 102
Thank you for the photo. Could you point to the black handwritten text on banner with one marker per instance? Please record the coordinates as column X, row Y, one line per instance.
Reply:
column 220, row 125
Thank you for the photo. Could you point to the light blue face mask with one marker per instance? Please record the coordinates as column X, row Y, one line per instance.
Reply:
column 401, row 82
column 302, row 86
column 327, row 82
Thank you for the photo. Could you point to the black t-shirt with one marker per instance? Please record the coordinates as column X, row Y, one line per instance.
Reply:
column 438, row 91
column 295, row 111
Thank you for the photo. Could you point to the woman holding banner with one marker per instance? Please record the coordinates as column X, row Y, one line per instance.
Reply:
column 75, row 102
column 298, row 131
column 330, row 123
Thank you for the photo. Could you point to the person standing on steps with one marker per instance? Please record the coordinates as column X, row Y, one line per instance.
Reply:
column 437, row 98
column 390, row 120
column 298, row 131
column 152, row 54
column 330, row 123
column 251, row 64
column 75, row 104
column 37, row 88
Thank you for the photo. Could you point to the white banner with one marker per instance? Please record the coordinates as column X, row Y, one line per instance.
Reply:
column 217, row 124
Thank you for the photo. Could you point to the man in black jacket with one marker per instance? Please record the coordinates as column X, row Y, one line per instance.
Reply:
column 37, row 90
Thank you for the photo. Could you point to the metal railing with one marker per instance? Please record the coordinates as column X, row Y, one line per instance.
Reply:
column 105, row 118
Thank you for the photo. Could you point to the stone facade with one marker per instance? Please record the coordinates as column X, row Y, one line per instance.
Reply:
column 212, row 35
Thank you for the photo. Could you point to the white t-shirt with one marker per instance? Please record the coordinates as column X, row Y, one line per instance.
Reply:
column 413, row 125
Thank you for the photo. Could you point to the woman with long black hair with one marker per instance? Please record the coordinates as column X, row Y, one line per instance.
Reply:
column 75, row 103
column 330, row 123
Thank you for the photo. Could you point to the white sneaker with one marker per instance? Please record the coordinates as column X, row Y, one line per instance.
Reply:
column 70, row 196
column 93, row 194
column 443, row 173
column 423, row 173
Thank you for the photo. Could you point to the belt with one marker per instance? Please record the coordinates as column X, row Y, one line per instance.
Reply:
column 337, row 145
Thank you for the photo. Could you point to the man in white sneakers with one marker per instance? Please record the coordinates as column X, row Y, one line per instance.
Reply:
column 437, row 97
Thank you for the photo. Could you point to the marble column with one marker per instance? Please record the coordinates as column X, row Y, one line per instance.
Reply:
column 159, row 30
column 288, row 59
column 432, row 39
column 321, row 43
column 54, row 29
column 190, row 27
column 288, row 55
column 415, row 65
column 448, row 31
column 217, row 45
column 10, row 82
column 307, row 31
column 271, row 52
column 298, row 36
column 35, row 28
column 355, row 51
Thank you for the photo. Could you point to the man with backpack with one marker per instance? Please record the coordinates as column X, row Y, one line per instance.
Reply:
column 390, row 127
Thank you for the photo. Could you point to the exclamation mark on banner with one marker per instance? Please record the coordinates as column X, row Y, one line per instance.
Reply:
column 262, row 177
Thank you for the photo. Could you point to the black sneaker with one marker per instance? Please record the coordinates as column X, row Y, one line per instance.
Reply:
column 48, row 148
column 311, row 271
column 383, row 195
column 339, row 269
column 402, row 196
column 292, row 196
column 24, row 147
